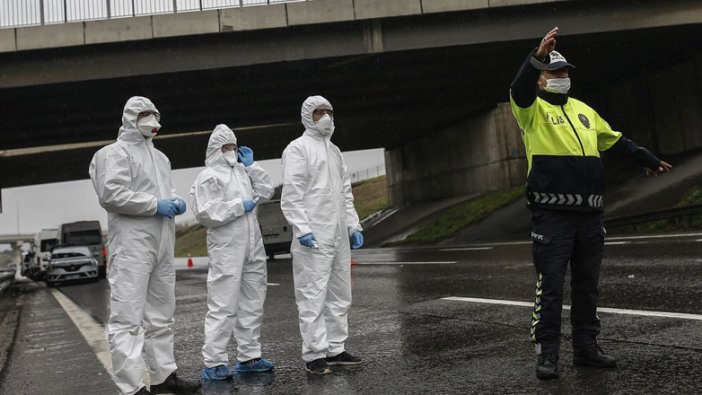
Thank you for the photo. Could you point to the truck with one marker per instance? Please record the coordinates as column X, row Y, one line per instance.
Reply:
column 89, row 234
column 44, row 241
column 277, row 233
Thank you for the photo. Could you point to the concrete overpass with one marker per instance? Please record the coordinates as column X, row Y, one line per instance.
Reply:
column 405, row 75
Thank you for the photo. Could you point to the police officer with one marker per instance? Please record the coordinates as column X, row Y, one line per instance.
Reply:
column 563, row 137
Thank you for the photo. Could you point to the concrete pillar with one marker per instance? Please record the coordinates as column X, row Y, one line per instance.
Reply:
column 477, row 155
column 677, row 107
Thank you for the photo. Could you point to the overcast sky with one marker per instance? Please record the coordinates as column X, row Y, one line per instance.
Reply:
column 48, row 205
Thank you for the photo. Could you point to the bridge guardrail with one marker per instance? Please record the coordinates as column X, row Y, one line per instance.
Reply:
column 18, row 13
column 676, row 213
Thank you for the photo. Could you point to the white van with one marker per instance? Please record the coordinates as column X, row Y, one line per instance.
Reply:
column 277, row 234
column 44, row 241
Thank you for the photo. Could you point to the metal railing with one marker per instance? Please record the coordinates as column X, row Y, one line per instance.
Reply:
column 673, row 214
column 17, row 13
column 366, row 174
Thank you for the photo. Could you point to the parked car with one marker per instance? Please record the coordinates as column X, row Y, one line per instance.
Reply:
column 86, row 233
column 276, row 232
column 71, row 263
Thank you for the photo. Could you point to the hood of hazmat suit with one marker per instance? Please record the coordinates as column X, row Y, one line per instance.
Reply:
column 236, row 282
column 129, row 177
column 317, row 199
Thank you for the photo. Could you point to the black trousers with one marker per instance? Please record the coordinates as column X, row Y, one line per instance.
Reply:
column 559, row 238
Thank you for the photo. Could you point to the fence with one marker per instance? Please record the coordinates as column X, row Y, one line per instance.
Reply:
column 15, row 13
column 676, row 215
column 368, row 173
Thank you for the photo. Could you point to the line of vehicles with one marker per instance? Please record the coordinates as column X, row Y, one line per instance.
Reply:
column 73, row 251
column 76, row 250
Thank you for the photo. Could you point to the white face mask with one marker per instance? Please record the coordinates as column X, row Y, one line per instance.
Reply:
column 230, row 157
column 558, row 85
column 148, row 126
column 325, row 125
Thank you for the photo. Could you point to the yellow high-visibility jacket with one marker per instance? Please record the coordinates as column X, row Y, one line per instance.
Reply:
column 563, row 138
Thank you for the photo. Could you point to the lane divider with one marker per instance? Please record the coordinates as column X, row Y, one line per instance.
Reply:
column 467, row 249
column 405, row 263
column 93, row 333
column 645, row 313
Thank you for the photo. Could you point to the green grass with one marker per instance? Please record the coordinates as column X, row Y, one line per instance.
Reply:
column 451, row 220
column 370, row 196
column 191, row 239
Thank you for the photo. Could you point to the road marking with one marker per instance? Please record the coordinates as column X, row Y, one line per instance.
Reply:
column 91, row 330
column 405, row 263
column 655, row 236
column 509, row 243
column 93, row 333
column 467, row 249
column 615, row 243
column 272, row 284
column 646, row 313
column 698, row 240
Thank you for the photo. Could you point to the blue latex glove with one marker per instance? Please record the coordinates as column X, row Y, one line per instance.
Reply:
column 245, row 156
column 180, row 206
column 356, row 240
column 249, row 205
column 166, row 208
column 308, row 240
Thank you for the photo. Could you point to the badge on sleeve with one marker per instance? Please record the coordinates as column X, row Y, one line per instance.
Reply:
column 584, row 120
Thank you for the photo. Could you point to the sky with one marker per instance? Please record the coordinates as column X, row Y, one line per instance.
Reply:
column 48, row 205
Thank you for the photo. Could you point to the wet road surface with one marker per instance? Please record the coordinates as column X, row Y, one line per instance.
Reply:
column 414, row 341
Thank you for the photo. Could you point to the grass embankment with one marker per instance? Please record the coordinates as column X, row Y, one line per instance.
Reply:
column 191, row 239
column 693, row 222
column 455, row 218
column 370, row 196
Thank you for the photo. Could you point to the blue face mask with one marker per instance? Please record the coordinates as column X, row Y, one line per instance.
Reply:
column 558, row 85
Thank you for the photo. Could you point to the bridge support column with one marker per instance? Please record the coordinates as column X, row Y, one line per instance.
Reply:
column 661, row 109
column 477, row 155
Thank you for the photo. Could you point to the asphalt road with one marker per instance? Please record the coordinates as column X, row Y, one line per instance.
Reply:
column 415, row 341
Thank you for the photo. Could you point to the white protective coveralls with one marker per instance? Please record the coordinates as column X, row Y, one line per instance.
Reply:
column 317, row 199
column 129, row 177
column 236, row 281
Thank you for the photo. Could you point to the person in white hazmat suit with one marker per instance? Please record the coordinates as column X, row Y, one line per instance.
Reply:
column 133, row 183
column 318, row 203
column 224, row 197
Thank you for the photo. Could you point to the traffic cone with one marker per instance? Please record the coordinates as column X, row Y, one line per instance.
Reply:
column 353, row 261
column 190, row 260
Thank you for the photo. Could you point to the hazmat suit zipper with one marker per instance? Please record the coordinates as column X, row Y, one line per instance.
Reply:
column 577, row 136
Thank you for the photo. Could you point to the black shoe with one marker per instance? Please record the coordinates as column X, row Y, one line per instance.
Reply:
column 344, row 359
column 592, row 355
column 143, row 391
column 176, row 385
column 547, row 366
column 318, row 366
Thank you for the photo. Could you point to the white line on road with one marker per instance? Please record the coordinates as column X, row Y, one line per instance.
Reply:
column 405, row 263
column 670, row 236
column 272, row 284
column 645, row 313
column 93, row 332
column 467, row 249
column 615, row 243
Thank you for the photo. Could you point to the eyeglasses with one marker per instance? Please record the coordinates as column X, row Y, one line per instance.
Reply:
column 229, row 147
column 147, row 113
column 324, row 111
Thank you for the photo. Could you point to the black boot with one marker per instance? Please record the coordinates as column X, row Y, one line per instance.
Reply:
column 143, row 391
column 176, row 385
column 547, row 365
column 592, row 355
